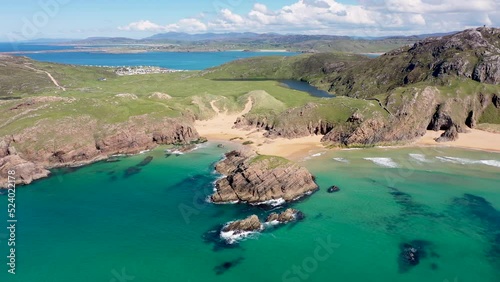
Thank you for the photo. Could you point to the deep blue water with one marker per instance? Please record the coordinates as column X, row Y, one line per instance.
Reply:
column 306, row 87
column 171, row 60
column 24, row 47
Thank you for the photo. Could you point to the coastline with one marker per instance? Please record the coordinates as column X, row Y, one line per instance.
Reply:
column 221, row 128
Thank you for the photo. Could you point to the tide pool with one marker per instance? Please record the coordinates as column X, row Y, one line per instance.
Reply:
column 100, row 223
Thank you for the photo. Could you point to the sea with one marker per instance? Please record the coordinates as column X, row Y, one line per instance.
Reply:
column 103, row 223
column 170, row 60
column 131, row 220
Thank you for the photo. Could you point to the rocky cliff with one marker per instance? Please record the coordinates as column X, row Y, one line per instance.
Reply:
column 71, row 142
column 256, row 179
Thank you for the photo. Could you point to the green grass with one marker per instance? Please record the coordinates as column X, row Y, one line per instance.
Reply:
column 271, row 162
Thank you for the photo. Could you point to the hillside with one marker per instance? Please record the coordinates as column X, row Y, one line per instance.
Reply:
column 174, row 41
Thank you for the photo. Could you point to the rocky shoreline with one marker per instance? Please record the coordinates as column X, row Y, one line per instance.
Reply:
column 31, row 164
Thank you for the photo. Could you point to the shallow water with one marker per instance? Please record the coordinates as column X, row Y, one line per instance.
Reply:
column 99, row 224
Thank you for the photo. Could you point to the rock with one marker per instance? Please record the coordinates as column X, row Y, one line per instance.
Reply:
column 286, row 216
column 160, row 96
column 220, row 146
column 333, row 189
column 146, row 161
column 449, row 135
column 249, row 224
column 496, row 101
column 257, row 179
column 127, row 96
column 25, row 171
column 410, row 255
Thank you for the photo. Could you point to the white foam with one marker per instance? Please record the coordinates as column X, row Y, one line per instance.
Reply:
column 491, row 163
column 385, row 162
column 317, row 155
column 271, row 223
column 351, row 149
column 232, row 237
column 341, row 160
column 273, row 202
column 144, row 152
column 419, row 157
column 464, row 161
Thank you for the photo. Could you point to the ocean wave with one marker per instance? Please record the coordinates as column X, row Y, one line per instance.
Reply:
column 420, row 157
column 273, row 202
column 341, row 160
column 385, row 162
column 464, row 161
column 232, row 237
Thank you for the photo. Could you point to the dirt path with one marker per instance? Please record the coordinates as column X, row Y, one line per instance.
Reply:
column 50, row 77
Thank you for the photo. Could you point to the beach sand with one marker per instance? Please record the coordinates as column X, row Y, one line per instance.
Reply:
column 220, row 128
column 475, row 139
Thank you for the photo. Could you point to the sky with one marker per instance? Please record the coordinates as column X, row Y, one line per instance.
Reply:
column 75, row 19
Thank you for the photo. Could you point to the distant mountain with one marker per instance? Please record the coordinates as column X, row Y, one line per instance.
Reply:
column 179, row 36
column 105, row 40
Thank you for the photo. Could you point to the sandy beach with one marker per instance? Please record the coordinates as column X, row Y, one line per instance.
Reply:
column 475, row 139
column 220, row 128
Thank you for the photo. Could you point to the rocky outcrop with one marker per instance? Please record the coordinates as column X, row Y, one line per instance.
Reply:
column 333, row 189
column 256, row 179
column 25, row 172
column 240, row 229
column 74, row 142
column 449, row 135
column 496, row 101
column 249, row 224
column 286, row 216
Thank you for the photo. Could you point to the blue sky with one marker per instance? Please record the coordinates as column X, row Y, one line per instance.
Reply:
column 29, row 19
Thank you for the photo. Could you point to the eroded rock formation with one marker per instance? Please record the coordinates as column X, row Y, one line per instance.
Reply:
column 256, row 179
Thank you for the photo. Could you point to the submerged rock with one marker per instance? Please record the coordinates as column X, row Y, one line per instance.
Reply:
column 257, row 179
column 131, row 171
column 412, row 253
column 286, row 216
column 146, row 161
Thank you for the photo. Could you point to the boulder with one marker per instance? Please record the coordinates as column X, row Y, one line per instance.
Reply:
column 449, row 135
column 286, row 216
column 249, row 224
column 333, row 189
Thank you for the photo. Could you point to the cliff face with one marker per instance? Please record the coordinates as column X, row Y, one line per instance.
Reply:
column 257, row 179
column 82, row 141
column 292, row 123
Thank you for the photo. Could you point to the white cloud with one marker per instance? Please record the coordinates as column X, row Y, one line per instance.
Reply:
column 142, row 26
column 184, row 25
column 370, row 18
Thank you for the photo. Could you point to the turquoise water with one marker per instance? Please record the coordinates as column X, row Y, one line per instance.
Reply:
column 98, row 224
column 25, row 47
column 171, row 60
